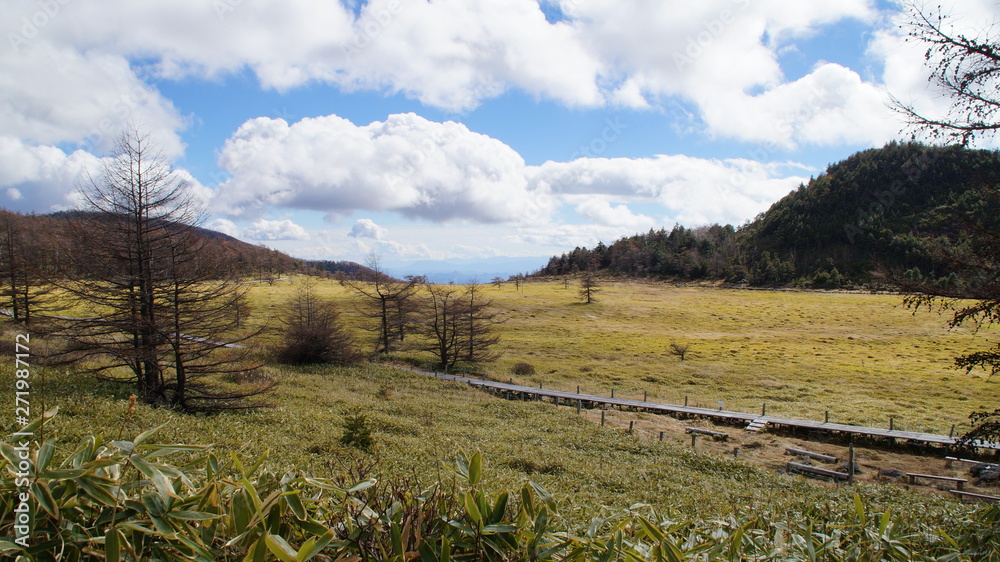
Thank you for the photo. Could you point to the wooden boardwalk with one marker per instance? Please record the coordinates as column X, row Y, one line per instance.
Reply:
column 591, row 400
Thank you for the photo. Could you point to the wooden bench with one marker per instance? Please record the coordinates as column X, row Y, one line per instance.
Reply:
column 810, row 454
column 958, row 481
column 950, row 460
column 981, row 497
column 716, row 434
column 805, row 468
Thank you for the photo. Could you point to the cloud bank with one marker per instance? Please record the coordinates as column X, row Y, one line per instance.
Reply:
column 444, row 173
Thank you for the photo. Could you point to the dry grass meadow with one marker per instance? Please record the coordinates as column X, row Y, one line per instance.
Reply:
column 861, row 357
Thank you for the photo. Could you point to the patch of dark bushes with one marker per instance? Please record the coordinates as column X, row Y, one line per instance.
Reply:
column 523, row 369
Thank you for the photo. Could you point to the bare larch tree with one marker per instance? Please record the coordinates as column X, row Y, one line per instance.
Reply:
column 481, row 319
column 459, row 325
column 387, row 302
column 151, row 299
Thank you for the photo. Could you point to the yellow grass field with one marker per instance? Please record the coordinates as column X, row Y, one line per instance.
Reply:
column 860, row 357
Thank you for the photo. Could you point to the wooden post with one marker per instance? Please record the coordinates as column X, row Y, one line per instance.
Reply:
column 694, row 440
column 579, row 404
column 685, row 401
column 511, row 381
column 952, row 432
column 644, row 396
column 763, row 409
column 826, row 417
column 612, row 392
column 539, row 386
column 736, row 452
column 850, row 466
column 892, row 422
column 602, row 418
column 661, row 436
column 631, row 426
column 578, row 389
column 556, row 400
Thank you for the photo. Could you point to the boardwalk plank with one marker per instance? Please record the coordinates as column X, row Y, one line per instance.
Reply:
column 743, row 417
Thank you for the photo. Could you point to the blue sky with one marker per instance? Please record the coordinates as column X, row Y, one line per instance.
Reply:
column 457, row 129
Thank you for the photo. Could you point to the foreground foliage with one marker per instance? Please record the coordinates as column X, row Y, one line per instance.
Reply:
column 124, row 500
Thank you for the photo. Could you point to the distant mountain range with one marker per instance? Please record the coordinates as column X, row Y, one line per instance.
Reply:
column 466, row 270
column 870, row 210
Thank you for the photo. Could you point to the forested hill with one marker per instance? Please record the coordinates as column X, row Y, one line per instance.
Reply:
column 41, row 239
column 344, row 269
column 245, row 258
column 864, row 211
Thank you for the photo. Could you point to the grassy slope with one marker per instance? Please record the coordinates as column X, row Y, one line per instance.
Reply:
column 421, row 422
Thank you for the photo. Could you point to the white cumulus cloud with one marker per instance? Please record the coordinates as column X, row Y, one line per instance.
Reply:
column 366, row 228
column 690, row 190
column 263, row 229
column 41, row 178
column 420, row 169
column 444, row 173
column 830, row 106
column 598, row 210
column 53, row 95
column 225, row 226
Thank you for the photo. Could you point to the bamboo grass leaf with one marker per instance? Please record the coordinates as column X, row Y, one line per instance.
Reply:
column 44, row 455
column 280, row 548
column 475, row 468
column 147, row 434
column 313, row 546
column 112, row 549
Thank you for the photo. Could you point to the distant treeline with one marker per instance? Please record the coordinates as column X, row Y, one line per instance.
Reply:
column 344, row 269
column 38, row 243
column 875, row 209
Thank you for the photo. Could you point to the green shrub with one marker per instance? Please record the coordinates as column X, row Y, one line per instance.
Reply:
column 358, row 432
